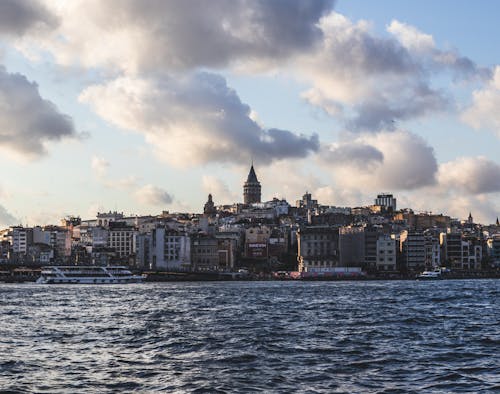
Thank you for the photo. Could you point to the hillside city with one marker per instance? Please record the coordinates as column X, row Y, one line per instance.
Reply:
column 307, row 238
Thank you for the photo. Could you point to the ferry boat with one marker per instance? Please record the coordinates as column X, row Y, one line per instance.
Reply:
column 87, row 275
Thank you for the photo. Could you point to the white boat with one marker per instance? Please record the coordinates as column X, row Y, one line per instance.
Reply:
column 429, row 275
column 87, row 275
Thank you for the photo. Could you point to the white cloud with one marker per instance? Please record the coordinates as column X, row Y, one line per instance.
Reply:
column 411, row 38
column 193, row 119
column 219, row 190
column 472, row 175
column 397, row 160
column 99, row 165
column 153, row 195
column 126, row 183
column 484, row 113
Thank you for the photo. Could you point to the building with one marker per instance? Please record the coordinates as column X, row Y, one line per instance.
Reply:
column 121, row 238
column 457, row 250
column 351, row 246
column 20, row 238
column 493, row 248
column 251, row 188
column 226, row 251
column 413, row 249
column 257, row 242
column 169, row 250
column 386, row 253
column 204, row 253
column 307, row 202
column 318, row 248
column 209, row 208
column 387, row 201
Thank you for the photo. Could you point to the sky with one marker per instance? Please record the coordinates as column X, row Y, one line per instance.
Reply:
column 145, row 106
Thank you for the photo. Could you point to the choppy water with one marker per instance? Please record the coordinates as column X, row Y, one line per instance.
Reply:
column 398, row 336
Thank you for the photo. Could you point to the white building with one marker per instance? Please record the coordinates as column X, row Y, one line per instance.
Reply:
column 171, row 249
column 20, row 238
column 386, row 253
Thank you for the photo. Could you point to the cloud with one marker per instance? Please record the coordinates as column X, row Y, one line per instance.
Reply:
column 193, row 119
column 153, row 35
column 370, row 81
column 153, row 195
column 6, row 218
column 472, row 175
column 126, row 183
column 99, row 165
column 397, row 160
column 27, row 121
column 17, row 17
column 219, row 190
column 483, row 113
column 356, row 154
column 423, row 45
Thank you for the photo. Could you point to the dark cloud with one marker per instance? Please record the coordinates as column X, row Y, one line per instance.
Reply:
column 357, row 154
column 19, row 16
column 381, row 113
column 157, row 35
column 153, row 195
column 193, row 119
column 27, row 121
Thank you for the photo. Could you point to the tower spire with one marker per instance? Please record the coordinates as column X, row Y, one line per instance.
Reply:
column 251, row 188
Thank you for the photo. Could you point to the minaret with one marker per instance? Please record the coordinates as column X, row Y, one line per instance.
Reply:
column 251, row 188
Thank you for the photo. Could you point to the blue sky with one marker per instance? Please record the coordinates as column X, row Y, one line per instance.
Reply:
column 153, row 107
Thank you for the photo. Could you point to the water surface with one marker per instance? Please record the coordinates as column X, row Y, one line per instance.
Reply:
column 318, row 337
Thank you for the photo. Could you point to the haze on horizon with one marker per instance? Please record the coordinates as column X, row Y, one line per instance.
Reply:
column 144, row 106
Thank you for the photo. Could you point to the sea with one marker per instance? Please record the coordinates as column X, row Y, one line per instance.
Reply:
column 245, row 337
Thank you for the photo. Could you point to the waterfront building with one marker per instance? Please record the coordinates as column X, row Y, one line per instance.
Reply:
column 58, row 238
column 257, row 242
column 351, row 246
column 413, row 249
column 493, row 248
column 204, row 252
column 164, row 249
column 317, row 248
column 371, row 234
column 20, row 238
column 386, row 253
column 251, row 188
column 226, row 250
column 432, row 252
column 121, row 238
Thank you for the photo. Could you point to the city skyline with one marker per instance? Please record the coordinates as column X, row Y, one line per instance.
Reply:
column 156, row 106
